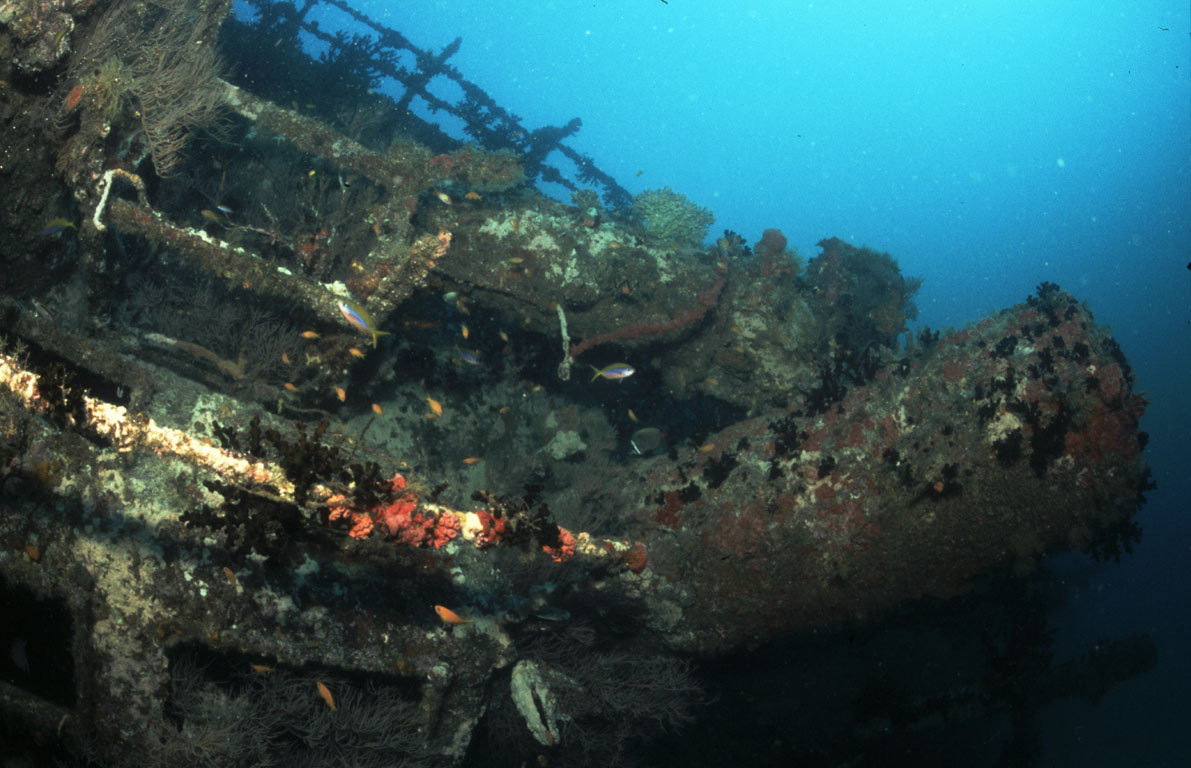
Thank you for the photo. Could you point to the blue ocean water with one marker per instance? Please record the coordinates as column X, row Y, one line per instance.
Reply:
column 988, row 146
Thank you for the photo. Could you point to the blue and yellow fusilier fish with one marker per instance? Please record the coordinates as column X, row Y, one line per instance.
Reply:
column 361, row 319
column 54, row 226
column 615, row 371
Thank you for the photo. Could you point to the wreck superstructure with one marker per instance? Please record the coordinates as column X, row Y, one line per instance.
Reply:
column 201, row 458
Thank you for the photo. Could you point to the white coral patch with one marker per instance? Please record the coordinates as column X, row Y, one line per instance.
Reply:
column 1001, row 427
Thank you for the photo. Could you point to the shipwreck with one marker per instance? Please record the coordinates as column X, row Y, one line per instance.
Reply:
column 227, row 514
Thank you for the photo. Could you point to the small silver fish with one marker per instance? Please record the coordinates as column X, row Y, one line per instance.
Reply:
column 552, row 613
column 41, row 310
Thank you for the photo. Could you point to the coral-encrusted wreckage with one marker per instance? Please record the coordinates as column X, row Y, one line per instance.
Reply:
column 283, row 367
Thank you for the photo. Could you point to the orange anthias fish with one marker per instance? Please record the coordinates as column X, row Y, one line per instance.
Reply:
column 325, row 692
column 448, row 616
column 435, row 406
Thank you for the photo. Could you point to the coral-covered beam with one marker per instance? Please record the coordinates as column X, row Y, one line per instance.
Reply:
column 124, row 432
column 403, row 518
column 406, row 266
column 311, row 136
column 222, row 259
